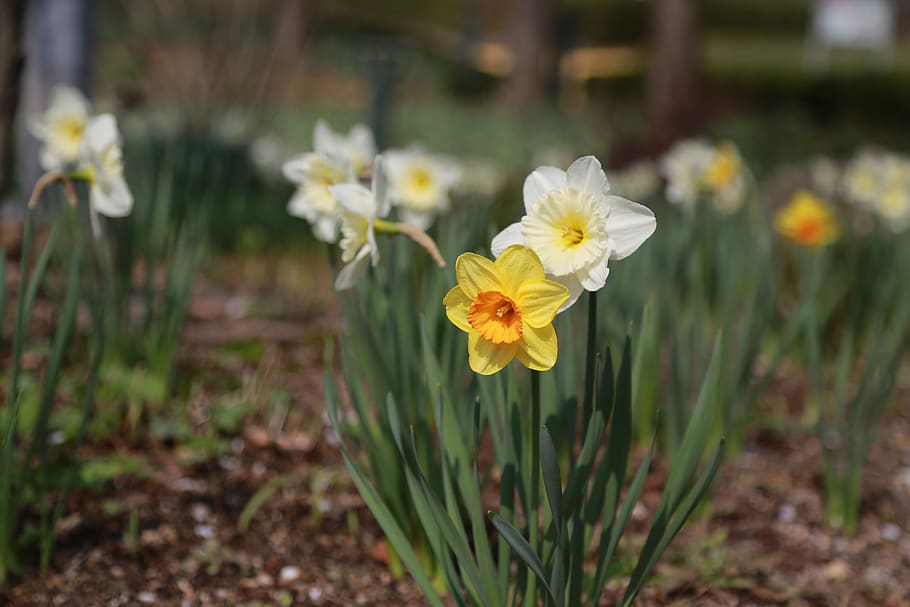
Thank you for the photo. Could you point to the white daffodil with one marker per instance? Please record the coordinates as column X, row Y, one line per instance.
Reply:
column 683, row 167
column 357, row 147
column 723, row 178
column 576, row 226
column 314, row 173
column 863, row 179
column 103, row 157
column 62, row 128
column 360, row 209
column 419, row 184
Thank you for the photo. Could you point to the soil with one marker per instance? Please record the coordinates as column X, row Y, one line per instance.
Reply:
column 173, row 537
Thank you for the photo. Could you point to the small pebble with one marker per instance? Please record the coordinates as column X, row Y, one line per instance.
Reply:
column 200, row 512
column 786, row 513
column 204, row 531
column 289, row 573
column 890, row 532
column 324, row 505
column 315, row 593
column 147, row 597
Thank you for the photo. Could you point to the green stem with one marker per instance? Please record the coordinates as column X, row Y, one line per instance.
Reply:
column 534, row 485
column 590, row 353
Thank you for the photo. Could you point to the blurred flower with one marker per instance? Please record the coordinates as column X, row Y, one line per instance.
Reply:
column 357, row 147
column 360, row 209
column 807, row 220
column 862, row 179
column 313, row 173
column 682, row 167
column 419, row 184
column 724, row 177
column 696, row 168
column 639, row 180
column 506, row 307
column 880, row 183
column 480, row 177
column 62, row 128
column 103, row 155
column 575, row 226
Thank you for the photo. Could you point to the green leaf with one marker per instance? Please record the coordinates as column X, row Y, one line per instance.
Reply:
column 523, row 549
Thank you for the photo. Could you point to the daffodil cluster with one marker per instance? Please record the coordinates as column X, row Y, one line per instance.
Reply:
column 879, row 182
column 419, row 183
column 695, row 169
column 86, row 147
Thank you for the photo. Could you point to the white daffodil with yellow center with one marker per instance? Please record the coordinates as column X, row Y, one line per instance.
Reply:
column 683, row 167
column 863, row 179
column 419, row 184
column 62, row 128
column 576, row 226
column 315, row 173
column 357, row 148
column 103, row 156
column 361, row 207
column 723, row 178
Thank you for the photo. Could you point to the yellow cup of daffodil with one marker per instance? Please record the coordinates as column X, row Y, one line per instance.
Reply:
column 506, row 307
column 807, row 220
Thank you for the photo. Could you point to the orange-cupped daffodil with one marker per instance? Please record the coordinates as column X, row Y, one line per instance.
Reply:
column 506, row 307
column 807, row 220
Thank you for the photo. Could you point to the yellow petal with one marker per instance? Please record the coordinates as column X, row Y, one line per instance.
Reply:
column 516, row 265
column 476, row 273
column 457, row 306
column 539, row 300
column 537, row 347
column 487, row 358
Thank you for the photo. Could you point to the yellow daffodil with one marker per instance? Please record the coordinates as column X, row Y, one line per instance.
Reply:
column 576, row 226
column 807, row 220
column 419, row 184
column 506, row 307
column 62, row 128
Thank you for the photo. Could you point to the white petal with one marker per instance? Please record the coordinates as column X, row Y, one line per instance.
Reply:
column 100, row 133
column 350, row 273
column 355, row 198
column 111, row 196
column 539, row 182
column 419, row 220
column 594, row 276
column 296, row 168
column 49, row 160
column 571, row 282
column 324, row 138
column 587, row 175
column 325, row 228
column 629, row 225
column 511, row 235
column 380, row 187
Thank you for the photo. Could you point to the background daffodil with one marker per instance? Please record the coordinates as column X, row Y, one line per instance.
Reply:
column 62, row 128
column 807, row 220
column 506, row 307
column 576, row 226
column 361, row 207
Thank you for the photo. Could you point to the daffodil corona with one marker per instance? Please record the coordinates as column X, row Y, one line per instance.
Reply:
column 807, row 220
column 506, row 307
column 576, row 226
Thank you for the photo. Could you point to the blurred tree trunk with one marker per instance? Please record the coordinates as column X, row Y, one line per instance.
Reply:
column 530, row 42
column 673, row 87
column 58, row 46
column 12, row 59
